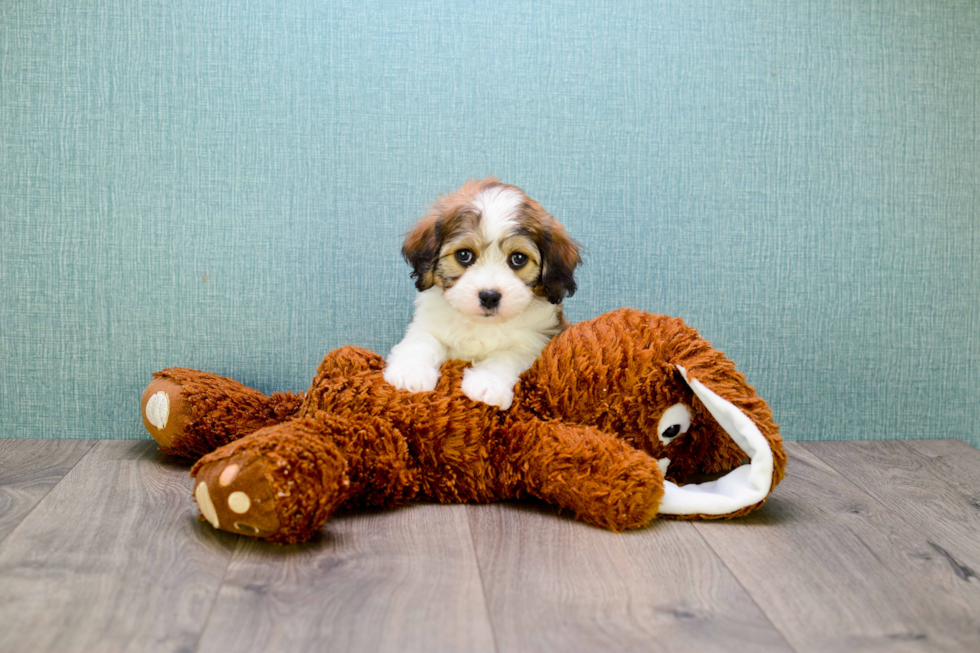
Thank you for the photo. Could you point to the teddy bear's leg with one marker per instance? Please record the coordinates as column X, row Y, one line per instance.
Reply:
column 280, row 483
column 190, row 413
column 604, row 480
column 283, row 482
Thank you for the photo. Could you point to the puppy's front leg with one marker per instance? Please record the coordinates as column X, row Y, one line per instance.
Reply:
column 413, row 364
column 492, row 379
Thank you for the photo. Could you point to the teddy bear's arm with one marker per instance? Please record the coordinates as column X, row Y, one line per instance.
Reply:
column 598, row 476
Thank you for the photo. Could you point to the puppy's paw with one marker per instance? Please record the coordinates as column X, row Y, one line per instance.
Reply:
column 489, row 388
column 413, row 379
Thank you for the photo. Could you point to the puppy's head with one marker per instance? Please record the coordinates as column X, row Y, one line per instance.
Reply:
column 492, row 250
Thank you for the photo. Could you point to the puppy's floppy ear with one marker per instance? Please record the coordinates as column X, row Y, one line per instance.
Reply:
column 421, row 250
column 559, row 258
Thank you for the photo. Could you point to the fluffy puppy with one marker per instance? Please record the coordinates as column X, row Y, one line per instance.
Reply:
column 492, row 268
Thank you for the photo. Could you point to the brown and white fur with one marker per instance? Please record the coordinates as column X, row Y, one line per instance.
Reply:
column 492, row 268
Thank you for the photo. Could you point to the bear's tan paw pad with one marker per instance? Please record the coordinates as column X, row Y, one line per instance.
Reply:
column 239, row 502
column 228, row 475
column 235, row 495
column 158, row 409
column 205, row 504
column 165, row 412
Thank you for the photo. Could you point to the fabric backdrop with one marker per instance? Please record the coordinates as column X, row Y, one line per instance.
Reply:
column 224, row 185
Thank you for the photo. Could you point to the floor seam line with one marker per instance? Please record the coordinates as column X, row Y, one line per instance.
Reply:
column 217, row 594
column 479, row 571
column 749, row 594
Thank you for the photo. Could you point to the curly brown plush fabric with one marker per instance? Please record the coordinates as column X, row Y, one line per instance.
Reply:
column 582, row 433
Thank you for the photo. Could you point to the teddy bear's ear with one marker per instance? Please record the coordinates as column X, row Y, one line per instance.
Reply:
column 743, row 487
column 421, row 250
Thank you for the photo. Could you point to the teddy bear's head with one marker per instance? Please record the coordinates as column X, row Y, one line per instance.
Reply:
column 658, row 384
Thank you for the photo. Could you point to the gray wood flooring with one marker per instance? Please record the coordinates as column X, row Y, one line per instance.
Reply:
column 866, row 546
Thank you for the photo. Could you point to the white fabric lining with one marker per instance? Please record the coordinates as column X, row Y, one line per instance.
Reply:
column 743, row 486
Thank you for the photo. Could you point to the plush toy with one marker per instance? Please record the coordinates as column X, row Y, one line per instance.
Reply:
column 613, row 422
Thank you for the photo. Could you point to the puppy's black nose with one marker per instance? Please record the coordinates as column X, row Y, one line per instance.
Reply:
column 489, row 299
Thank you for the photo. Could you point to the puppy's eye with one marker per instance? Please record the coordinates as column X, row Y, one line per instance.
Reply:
column 517, row 260
column 465, row 256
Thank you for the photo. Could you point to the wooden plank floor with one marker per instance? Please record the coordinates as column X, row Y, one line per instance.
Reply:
column 866, row 546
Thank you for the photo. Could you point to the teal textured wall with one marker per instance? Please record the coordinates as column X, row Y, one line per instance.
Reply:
column 224, row 185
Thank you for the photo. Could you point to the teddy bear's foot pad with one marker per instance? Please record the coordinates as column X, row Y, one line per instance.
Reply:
column 235, row 495
column 165, row 411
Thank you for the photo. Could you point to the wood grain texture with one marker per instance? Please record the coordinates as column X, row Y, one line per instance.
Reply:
column 955, row 461
column 375, row 581
column 112, row 559
column 28, row 471
column 554, row 584
column 864, row 546
column 835, row 570
column 910, row 484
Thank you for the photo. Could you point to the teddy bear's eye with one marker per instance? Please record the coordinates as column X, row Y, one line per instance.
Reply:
column 675, row 421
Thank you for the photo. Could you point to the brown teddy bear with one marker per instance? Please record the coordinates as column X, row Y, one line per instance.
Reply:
column 614, row 422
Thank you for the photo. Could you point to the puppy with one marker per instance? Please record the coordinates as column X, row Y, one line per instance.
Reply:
column 492, row 268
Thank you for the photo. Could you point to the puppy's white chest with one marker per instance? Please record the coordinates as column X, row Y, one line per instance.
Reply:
column 468, row 340
column 476, row 347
